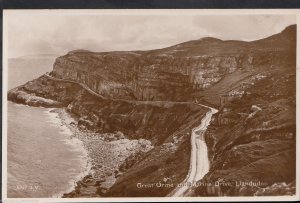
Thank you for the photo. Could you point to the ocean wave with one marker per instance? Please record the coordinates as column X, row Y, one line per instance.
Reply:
column 75, row 145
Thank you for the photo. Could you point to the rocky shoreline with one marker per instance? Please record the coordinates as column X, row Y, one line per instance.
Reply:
column 106, row 153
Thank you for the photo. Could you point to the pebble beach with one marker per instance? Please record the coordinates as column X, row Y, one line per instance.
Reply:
column 106, row 152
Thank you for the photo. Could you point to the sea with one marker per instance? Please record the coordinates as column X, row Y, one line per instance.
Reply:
column 43, row 161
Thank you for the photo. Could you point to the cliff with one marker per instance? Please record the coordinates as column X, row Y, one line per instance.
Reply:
column 144, row 76
column 172, row 73
column 148, row 94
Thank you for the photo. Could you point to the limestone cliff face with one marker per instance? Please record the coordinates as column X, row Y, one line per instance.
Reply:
column 146, row 77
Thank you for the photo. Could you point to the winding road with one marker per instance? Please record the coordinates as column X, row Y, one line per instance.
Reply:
column 199, row 163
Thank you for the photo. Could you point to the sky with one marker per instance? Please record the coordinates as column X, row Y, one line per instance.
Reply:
column 33, row 33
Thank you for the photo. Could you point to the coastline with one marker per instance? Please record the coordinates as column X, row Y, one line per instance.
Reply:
column 73, row 141
column 105, row 153
column 60, row 141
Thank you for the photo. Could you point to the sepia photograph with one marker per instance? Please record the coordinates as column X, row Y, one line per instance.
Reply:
column 114, row 105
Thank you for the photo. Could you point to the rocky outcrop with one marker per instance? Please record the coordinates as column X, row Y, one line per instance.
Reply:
column 31, row 100
column 44, row 92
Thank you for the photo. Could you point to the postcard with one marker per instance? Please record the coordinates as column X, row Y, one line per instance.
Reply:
column 150, row 105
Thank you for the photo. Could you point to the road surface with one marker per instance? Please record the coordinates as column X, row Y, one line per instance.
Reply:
column 199, row 163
